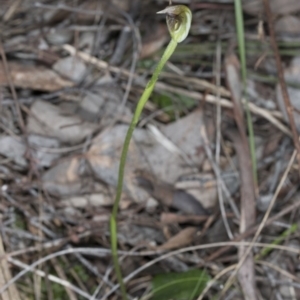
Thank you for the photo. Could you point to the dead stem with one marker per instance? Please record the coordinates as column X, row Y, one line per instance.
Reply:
column 286, row 97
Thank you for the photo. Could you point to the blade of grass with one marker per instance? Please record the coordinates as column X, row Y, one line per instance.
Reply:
column 242, row 53
column 265, row 251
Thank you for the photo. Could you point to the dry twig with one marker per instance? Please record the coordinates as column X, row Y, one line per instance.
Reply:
column 252, row 230
column 5, row 276
column 262, row 224
column 248, row 205
column 102, row 65
column 286, row 98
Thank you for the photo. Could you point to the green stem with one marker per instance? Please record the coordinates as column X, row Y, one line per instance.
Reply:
column 241, row 37
column 265, row 251
column 242, row 51
column 113, row 219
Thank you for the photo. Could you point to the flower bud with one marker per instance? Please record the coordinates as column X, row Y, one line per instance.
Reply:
column 179, row 18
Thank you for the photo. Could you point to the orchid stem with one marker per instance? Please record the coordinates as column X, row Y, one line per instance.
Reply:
column 144, row 98
column 179, row 21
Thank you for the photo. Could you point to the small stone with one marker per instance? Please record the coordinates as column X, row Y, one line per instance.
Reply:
column 71, row 67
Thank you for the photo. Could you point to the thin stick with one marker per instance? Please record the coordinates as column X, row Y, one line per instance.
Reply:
column 102, row 65
column 219, row 177
column 218, row 134
column 232, row 267
column 13, row 90
column 192, row 248
column 262, row 224
column 286, row 98
column 252, row 230
column 220, row 184
column 59, row 242
column 102, row 252
column 62, row 282
column 215, row 279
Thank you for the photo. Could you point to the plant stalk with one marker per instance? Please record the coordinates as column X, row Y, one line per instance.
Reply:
column 113, row 219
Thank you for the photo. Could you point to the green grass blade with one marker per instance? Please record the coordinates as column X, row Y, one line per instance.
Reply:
column 179, row 286
column 242, row 53
column 265, row 251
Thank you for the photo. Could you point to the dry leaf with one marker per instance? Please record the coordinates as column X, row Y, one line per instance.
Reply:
column 169, row 196
column 155, row 41
column 5, row 276
column 278, row 7
column 66, row 128
column 71, row 67
column 64, row 178
column 43, row 149
column 294, row 95
column 168, row 161
column 33, row 77
column 171, row 218
column 13, row 148
column 95, row 200
column 101, row 6
column 182, row 239
column 292, row 73
column 289, row 25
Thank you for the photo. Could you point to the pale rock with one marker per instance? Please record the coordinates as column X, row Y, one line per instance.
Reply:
column 53, row 123
column 71, row 67
column 13, row 148
column 94, row 200
column 64, row 178
column 45, row 149
column 59, row 37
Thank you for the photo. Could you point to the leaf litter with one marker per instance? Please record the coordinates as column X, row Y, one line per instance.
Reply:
column 58, row 175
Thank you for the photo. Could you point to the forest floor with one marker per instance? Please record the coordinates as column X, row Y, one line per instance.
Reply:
column 195, row 201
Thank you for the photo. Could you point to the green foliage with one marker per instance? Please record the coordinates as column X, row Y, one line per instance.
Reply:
column 59, row 291
column 186, row 101
column 81, row 272
column 179, row 286
column 20, row 222
column 173, row 103
column 265, row 251
column 147, row 64
column 162, row 100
